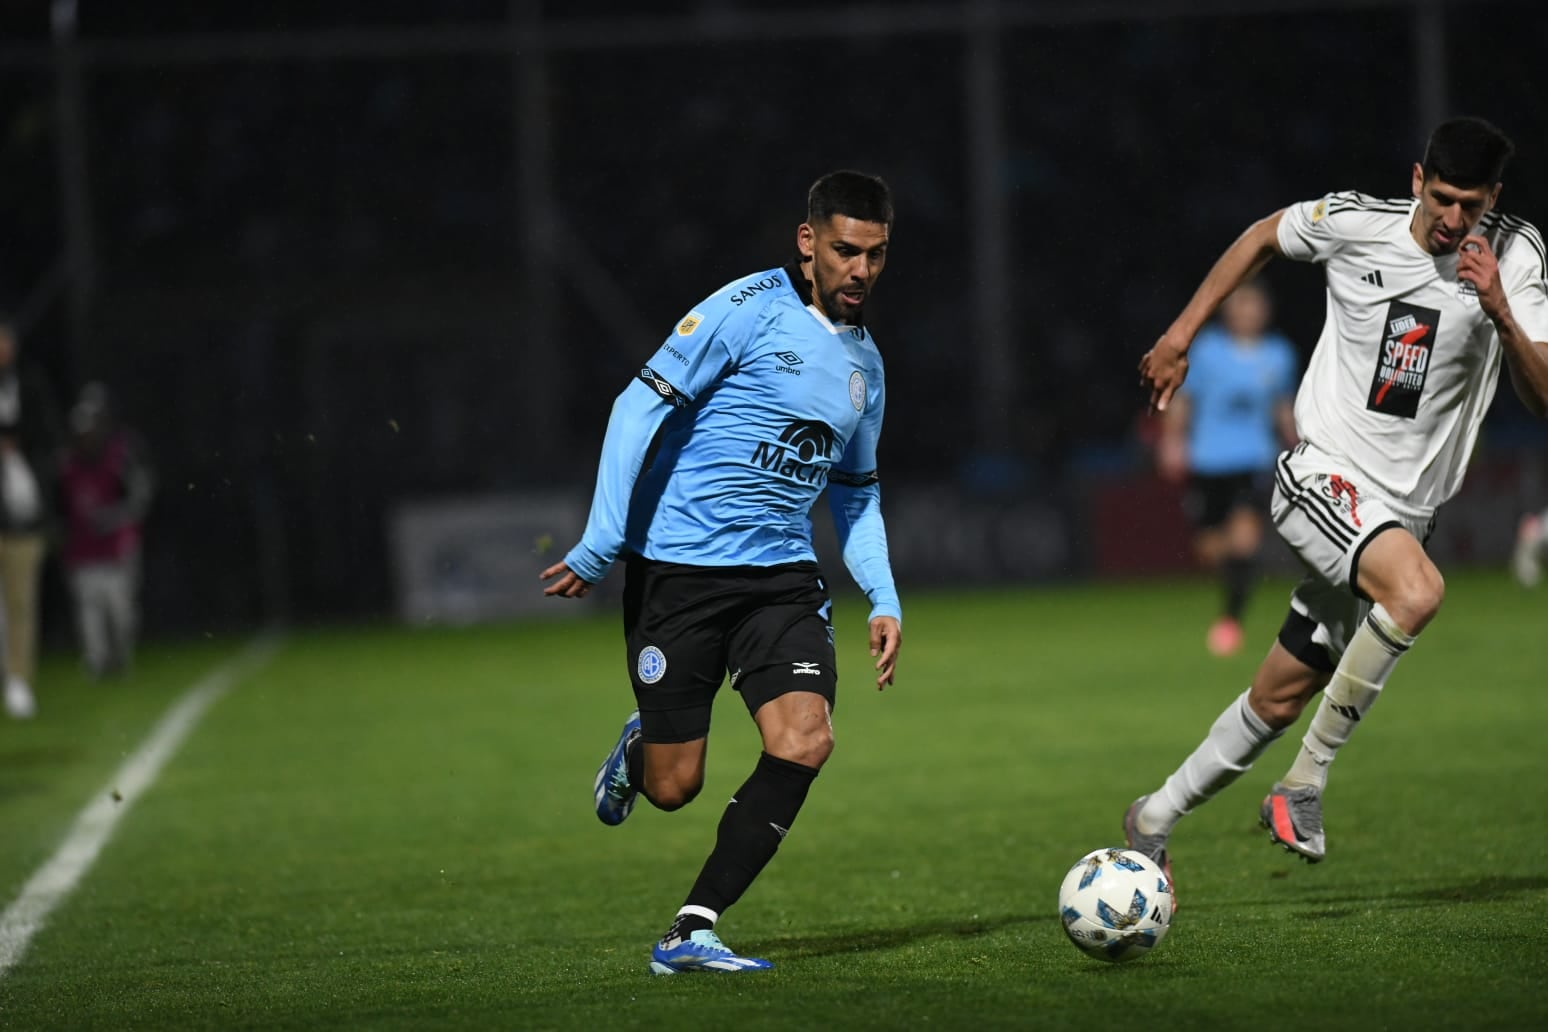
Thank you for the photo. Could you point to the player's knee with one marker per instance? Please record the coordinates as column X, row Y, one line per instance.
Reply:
column 809, row 747
column 670, row 793
column 1278, row 711
column 1417, row 598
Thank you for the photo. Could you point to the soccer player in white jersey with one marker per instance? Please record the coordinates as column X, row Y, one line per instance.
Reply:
column 1426, row 297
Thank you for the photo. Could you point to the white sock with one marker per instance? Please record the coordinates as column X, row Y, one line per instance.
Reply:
column 1237, row 738
column 1374, row 649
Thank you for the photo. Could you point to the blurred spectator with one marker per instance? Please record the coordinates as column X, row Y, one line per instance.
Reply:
column 1531, row 548
column 106, row 487
column 1220, row 435
column 30, row 436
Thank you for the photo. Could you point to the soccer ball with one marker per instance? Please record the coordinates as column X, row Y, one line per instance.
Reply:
column 1115, row 904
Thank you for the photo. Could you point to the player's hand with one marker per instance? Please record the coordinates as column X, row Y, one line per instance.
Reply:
column 1163, row 369
column 886, row 639
column 569, row 584
column 1477, row 265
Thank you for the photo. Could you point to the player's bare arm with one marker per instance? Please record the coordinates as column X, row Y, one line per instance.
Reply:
column 1165, row 366
column 886, row 639
column 1172, row 448
column 569, row 584
column 1527, row 359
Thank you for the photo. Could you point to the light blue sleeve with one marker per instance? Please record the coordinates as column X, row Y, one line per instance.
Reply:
column 854, row 498
column 697, row 352
column 637, row 414
column 1201, row 363
column 1289, row 365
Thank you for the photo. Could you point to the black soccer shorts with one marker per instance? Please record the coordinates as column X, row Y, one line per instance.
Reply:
column 1210, row 499
column 688, row 627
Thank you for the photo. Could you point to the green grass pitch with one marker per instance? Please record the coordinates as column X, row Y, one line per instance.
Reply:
column 392, row 829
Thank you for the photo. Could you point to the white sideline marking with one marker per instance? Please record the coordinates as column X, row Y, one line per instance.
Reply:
column 57, row 878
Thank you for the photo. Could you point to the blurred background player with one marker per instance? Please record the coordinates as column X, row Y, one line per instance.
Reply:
column 30, row 437
column 105, row 490
column 1531, row 548
column 765, row 394
column 1427, row 297
column 1220, row 435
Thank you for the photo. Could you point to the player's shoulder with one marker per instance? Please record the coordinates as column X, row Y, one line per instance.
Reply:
column 752, row 292
column 736, row 305
column 1351, row 212
column 1207, row 343
column 1515, row 239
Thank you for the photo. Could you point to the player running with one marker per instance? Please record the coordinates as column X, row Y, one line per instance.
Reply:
column 770, row 390
column 1219, row 436
column 1425, row 295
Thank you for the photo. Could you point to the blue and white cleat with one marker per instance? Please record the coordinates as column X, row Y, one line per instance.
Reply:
column 701, row 951
column 614, row 791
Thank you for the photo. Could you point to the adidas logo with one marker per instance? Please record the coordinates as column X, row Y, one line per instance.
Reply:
column 1373, row 277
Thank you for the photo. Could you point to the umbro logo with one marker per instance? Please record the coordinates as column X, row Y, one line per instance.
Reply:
column 668, row 393
column 788, row 360
column 814, row 669
column 1373, row 277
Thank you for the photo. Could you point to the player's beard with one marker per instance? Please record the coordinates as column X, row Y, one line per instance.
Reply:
column 834, row 303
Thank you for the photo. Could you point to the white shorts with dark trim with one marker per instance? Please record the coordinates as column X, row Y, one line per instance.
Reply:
column 1327, row 514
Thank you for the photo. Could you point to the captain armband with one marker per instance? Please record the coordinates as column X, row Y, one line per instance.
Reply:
column 838, row 476
column 665, row 391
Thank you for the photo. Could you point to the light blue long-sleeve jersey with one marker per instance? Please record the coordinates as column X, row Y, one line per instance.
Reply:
column 1232, row 391
column 762, row 402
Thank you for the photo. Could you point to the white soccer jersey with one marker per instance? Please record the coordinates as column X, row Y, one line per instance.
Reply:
column 1407, row 363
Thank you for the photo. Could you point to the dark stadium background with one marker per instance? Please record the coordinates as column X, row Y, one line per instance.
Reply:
column 337, row 257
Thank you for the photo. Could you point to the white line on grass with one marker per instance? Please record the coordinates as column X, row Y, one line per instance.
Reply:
column 55, row 880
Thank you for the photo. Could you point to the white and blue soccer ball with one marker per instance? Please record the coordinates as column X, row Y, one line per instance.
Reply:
column 1115, row 904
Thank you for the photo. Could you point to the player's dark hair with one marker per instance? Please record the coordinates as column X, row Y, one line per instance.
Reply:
column 1467, row 152
column 846, row 192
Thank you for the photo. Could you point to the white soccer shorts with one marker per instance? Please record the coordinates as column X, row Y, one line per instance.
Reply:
column 1327, row 514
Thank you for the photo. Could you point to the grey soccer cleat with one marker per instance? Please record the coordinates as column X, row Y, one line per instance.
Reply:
column 1293, row 817
column 1153, row 846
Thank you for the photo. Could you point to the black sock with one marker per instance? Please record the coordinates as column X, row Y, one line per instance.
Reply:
column 1238, row 572
column 683, row 926
column 755, row 821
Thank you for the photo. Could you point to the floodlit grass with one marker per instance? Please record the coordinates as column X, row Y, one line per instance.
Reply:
column 391, row 829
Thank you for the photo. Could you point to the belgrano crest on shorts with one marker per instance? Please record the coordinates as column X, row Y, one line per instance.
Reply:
column 1407, row 363
column 1403, row 360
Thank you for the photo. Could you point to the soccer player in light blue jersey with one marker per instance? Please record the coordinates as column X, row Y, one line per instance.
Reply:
column 1220, row 437
column 767, row 393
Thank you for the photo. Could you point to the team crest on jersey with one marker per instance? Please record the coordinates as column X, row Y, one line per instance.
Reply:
column 652, row 665
column 1342, row 493
column 1403, row 360
column 690, row 323
column 857, row 391
column 1467, row 290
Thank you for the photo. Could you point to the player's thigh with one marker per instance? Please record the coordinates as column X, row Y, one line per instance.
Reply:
column 784, row 642
column 1329, row 517
column 675, row 637
column 1396, row 572
column 1244, row 529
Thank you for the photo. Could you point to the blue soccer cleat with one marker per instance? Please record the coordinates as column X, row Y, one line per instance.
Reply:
column 701, row 951
column 614, row 790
